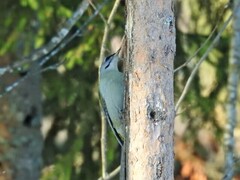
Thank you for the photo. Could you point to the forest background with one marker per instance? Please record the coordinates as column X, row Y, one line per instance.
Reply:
column 68, row 84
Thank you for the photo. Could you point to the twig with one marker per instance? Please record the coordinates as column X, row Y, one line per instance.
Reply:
column 106, row 30
column 57, row 43
column 103, row 122
column 68, row 39
column 16, row 83
column 48, row 56
column 100, row 14
column 206, row 41
column 54, row 42
column 123, row 163
column 112, row 174
column 212, row 45
column 196, row 52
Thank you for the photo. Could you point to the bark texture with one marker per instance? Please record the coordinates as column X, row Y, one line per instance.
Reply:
column 21, row 145
column 149, row 94
column 233, row 80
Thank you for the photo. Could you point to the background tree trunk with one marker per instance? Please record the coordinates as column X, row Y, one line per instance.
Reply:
column 151, row 50
column 233, row 80
column 21, row 153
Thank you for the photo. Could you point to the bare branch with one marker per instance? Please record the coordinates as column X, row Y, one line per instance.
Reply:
column 112, row 174
column 106, row 30
column 59, row 41
column 49, row 55
column 100, row 14
column 15, row 84
column 189, row 81
column 196, row 52
column 206, row 41
column 54, row 42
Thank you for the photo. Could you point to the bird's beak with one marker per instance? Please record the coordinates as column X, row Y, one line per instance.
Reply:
column 118, row 51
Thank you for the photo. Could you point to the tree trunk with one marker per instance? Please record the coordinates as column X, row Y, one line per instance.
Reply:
column 21, row 153
column 233, row 80
column 149, row 94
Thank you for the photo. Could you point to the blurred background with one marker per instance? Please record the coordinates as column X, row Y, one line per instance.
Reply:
column 70, row 114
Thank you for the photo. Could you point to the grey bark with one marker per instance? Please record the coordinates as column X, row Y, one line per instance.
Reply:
column 22, row 158
column 233, row 80
column 149, row 93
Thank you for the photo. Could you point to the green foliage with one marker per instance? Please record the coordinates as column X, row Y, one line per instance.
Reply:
column 204, row 105
column 70, row 95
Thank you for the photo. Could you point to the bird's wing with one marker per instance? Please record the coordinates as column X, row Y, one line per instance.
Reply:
column 104, row 108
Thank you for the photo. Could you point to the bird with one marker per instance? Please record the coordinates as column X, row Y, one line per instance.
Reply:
column 111, row 90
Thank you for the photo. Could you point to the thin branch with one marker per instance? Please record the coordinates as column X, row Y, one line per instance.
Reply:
column 206, row 41
column 106, row 30
column 13, row 86
column 196, row 52
column 123, row 163
column 103, row 145
column 48, row 56
column 189, row 81
column 100, row 14
column 69, row 38
column 53, row 66
column 54, row 42
column 103, row 122
column 16, row 83
column 59, row 41
column 112, row 174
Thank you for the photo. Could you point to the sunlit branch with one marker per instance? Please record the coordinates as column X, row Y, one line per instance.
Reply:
column 59, row 41
column 193, row 73
column 204, row 44
column 100, row 14
column 197, row 51
column 69, row 38
column 111, row 174
column 16, row 83
column 54, row 42
column 52, row 52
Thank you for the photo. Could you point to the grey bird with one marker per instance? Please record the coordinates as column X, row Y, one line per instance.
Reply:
column 111, row 89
